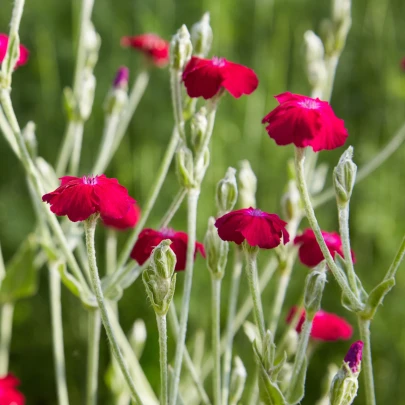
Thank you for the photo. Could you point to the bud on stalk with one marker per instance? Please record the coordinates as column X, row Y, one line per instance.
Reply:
column 227, row 192
column 180, row 48
column 201, row 36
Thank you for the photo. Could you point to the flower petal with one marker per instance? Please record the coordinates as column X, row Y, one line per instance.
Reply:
column 239, row 79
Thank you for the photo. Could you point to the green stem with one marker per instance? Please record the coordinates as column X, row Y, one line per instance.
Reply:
column 233, row 301
column 162, row 328
column 299, row 357
column 331, row 63
column 397, row 261
column 57, row 334
column 8, row 133
column 65, row 150
column 175, row 85
column 193, row 195
column 216, row 337
column 77, row 136
column 89, row 229
column 111, row 250
column 178, row 199
column 367, row 364
column 309, row 211
column 93, row 352
column 253, row 279
column 7, row 311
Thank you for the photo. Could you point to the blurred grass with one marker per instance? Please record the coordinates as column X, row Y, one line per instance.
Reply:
column 265, row 35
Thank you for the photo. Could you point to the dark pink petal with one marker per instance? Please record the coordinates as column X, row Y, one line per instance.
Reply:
column 126, row 222
column 354, row 356
column 3, row 49
column 8, row 392
column 24, row 54
column 330, row 327
column 148, row 239
column 229, row 226
column 239, row 79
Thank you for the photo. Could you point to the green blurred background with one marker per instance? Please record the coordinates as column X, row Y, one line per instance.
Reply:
column 266, row 35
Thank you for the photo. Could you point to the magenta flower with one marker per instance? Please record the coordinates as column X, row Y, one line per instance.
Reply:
column 149, row 238
column 80, row 197
column 8, row 392
column 205, row 78
column 354, row 356
column 126, row 222
column 257, row 227
column 22, row 60
column 305, row 121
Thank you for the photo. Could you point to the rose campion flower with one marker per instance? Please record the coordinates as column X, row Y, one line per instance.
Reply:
column 80, row 197
column 22, row 60
column 126, row 222
column 8, row 392
column 149, row 238
column 354, row 356
column 205, row 78
column 310, row 253
column 257, row 227
column 305, row 121
column 325, row 326
column 153, row 46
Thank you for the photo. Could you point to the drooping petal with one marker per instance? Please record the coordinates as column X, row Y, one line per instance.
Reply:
column 229, row 226
column 239, row 79
column 126, row 222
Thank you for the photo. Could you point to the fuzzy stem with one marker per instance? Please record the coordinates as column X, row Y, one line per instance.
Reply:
column 175, row 205
column 193, row 195
column 175, row 85
column 65, row 150
column 77, row 136
column 93, row 352
column 111, row 250
column 89, row 229
column 233, row 301
column 162, row 328
column 7, row 311
column 367, row 364
column 216, row 308
column 8, row 133
column 397, row 261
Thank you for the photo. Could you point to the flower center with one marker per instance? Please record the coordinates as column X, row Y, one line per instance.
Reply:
column 309, row 104
column 256, row 213
column 220, row 62
column 167, row 232
column 90, row 180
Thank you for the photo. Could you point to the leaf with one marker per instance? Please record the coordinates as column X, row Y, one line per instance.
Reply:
column 21, row 278
column 298, row 392
column 376, row 298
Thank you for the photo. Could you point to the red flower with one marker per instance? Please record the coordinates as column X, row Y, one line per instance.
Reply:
column 8, row 392
column 325, row 326
column 354, row 356
column 305, row 121
column 80, row 197
column 149, row 238
column 310, row 253
column 154, row 47
column 22, row 60
column 259, row 228
column 205, row 77
column 126, row 222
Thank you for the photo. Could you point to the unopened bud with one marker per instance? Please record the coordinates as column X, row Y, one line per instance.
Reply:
column 344, row 177
column 314, row 286
column 92, row 42
column 185, row 167
column 216, row 251
column 201, row 36
column 247, row 185
column 117, row 97
column 137, row 337
column 180, row 48
column 290, row 201
column 159, row 277
column 341, row 10
column 238, row 380
column 345, row 385
column 291, row 342
column 30, row 139
column 88, row 90
column 201, row 167
column 121, row 78
column 227, row 192
column 199, row 125
column 313, row 46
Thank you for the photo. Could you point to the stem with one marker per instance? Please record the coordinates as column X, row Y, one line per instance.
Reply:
column 89, row 229
column 111, row 250
column 66, row 150
column 174, row 324
column 299, row 356
column 173, row 207
column 8, row 133
column 193, row 195
column 367, row 364
column 175, row 85
column 397, row 261
column 162, row 328
column 345, row 235
column 251, row 272
column 233, row 301
column 93, row 352
column 216, row 336
column 309, row 211
column 57, row 334
column 7, row 311
column 77, row 138
column 331, row 63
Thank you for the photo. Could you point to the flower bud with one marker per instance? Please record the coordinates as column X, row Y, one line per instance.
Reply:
column 227, row 192
column 137, row 337
column 87, row 96
column 201, row 36
column 121, row 78
column 159, row 277
column 238, row 380
column 201, row 167
column 314, row 285
column 291, row 342
column 290, row 201
column 180, row 48
column 92, row 42
column 344, row 177
column 216, row 251
column 30, row 139
column 247, row 185
column 344, row 385
column 316, row 69
column 198, row 128
column 117, row 97
column 185, row 167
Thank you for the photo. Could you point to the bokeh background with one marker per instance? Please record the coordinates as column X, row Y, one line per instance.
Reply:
column 266, row 35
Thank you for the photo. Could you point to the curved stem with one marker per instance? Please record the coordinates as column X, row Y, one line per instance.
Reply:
column 178, row 199
column 89, row 229
column 215, row 308
column 367, row 364
column 233, row 301
column 77, row 139
column 162, row 328
column 93, row 352
column 6, row 328
column 397, row 261
column 193, row 195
